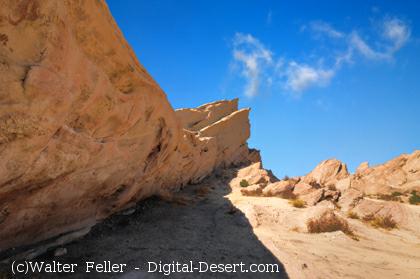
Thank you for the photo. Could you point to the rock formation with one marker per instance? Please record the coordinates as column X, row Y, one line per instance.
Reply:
column 85, row 131
column 371, row 192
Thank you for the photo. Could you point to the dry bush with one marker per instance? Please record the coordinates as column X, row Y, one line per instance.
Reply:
column 386, row 197
column 329, row 222
column 297, row 203
column 386, row 222
column 352, row 215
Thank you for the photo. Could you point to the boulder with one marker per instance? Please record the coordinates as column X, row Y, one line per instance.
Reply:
column 331, row 195
column 313, row 197
column 303, row 188
column 253, row 174
column 349, row 199
column 327, row 173
column 282, row 188
column 343, row 184
column 252, row 190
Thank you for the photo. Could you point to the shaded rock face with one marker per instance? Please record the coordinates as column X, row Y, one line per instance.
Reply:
column 84, row 130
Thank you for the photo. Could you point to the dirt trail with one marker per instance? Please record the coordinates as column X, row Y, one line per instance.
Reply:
column 207, row 228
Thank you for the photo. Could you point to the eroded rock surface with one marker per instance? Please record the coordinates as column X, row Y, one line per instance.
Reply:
column 84, row 130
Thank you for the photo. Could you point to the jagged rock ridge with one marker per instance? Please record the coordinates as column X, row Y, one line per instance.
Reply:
column 85, row 131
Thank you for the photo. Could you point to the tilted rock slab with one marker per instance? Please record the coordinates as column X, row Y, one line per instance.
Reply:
column 84, row 130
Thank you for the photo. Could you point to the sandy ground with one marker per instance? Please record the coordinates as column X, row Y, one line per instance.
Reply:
column 213, row 223
column 377, row 254
column 206, row 228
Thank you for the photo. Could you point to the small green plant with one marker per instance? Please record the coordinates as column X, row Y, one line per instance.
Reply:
column 244, row 183
column 396, row 194
column 297, row 203
column 414, row 199
column 352, row 215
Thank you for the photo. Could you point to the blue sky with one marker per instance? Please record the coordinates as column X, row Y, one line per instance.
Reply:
column 323, row 78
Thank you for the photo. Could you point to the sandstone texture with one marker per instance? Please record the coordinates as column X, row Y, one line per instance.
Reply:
column 85, row 131
column 370, row 194
column 333, row 224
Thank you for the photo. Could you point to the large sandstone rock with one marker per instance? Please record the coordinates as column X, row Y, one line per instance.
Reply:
column 84, row 130
column 282, row 188
column 401, row 174
column 253, row 174
column 327, row 173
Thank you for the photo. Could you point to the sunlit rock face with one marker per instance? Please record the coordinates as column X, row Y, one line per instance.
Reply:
column 84, row 130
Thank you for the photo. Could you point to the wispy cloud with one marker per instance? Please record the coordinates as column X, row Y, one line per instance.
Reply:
column 397, row 31
column 299, row 77
column 253, row 57
column 324, row 28
column 394, row 34
column 258, row 63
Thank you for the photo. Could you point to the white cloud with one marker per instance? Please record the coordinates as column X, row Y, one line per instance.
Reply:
column 300, row 77
column 321, row 27
column 257, row 66
column 397, row 32
column 253, row 57
column 394, row 31
column 363, row 48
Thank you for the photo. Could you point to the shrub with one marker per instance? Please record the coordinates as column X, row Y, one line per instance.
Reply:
column 297, row 203
column 244, row 183
column 380, row 222
column 386, row 197
column 352, row 215
column 414, row 199
column 329, row 222
column 286, row 177
column 396, row 194
column 384, row 222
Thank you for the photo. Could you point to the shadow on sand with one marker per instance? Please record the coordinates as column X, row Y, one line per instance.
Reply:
column 207, row 229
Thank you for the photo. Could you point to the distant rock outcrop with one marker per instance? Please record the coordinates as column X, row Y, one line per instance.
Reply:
column 382, row 191
column 85, row 131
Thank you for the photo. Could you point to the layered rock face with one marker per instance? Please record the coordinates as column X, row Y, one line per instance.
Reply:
column 84, row 130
